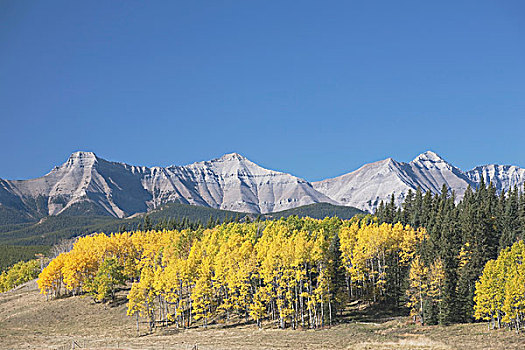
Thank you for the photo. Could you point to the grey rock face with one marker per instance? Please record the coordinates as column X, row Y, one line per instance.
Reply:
column 105, row 187
column 88, row 185
column 231, row 182
column 366, row 187
column 504, row 177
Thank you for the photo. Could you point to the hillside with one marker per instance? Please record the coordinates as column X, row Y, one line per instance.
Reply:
column 21, row 241
column 28, row 320
column 318, row 211
column 365, row 318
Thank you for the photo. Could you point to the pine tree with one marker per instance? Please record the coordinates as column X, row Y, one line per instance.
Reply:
column 522, row 213
column 427, row 209
column 511, row 220
column 414, row 219
column 407, row 208
column 380, row 212
column 390, row 210
column 147, row 224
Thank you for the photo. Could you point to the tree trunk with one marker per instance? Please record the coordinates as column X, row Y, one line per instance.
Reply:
column 138, row 330
column 301, row 302
column 421, row 305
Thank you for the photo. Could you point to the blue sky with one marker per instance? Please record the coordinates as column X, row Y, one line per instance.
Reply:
column 314, row 88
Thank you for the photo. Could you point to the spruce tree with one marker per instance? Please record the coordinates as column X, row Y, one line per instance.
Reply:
column 390, row 210
column 380, row 212
column 407, row 208
column 511, row 221
column 414, row 218
column 427, row 209
column 522, row 213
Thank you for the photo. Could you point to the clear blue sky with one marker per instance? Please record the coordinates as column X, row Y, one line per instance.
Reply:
column 314, row 88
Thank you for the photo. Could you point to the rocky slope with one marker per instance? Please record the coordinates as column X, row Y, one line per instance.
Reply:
column 366, row 187
column 89, row 185
column 502, row 176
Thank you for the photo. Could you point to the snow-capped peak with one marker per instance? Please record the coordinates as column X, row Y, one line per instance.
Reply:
column 366, row 187
column 82, row 154
column 233, row 182
column 81, row 158
column 232, row 156
column 428, row 156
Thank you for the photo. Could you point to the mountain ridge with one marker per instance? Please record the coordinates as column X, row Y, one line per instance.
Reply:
column 372, row 183
column 231, row 182
column 87, row 184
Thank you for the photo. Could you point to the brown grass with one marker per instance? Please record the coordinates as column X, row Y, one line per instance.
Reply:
column 28, row 321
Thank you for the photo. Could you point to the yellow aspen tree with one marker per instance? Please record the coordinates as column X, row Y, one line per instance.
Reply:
column 486, row 293
column 142, row 296
column 514, row 302
column 418, row 289
column 202, row 292
column 258, row 305
column 19, row 273
column 51, row 278
column 436, row 280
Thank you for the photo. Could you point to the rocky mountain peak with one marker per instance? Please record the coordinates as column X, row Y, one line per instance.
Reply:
column 429, row 156
column 388, row 161
column 81, row 159
column 232, row 156
column 233, row 182
column 83, row 154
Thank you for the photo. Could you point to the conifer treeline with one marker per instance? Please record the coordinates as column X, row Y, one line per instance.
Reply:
column 463, row 237
column 293, row 272
column 180, row 224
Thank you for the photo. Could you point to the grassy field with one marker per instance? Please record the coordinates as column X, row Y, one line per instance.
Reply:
column 29, row 321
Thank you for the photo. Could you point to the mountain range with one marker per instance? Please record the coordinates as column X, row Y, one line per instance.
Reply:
column 89, row 185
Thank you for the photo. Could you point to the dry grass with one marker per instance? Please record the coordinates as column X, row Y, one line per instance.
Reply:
column 28, row 321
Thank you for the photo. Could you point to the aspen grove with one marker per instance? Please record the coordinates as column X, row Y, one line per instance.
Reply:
column 293, row 272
